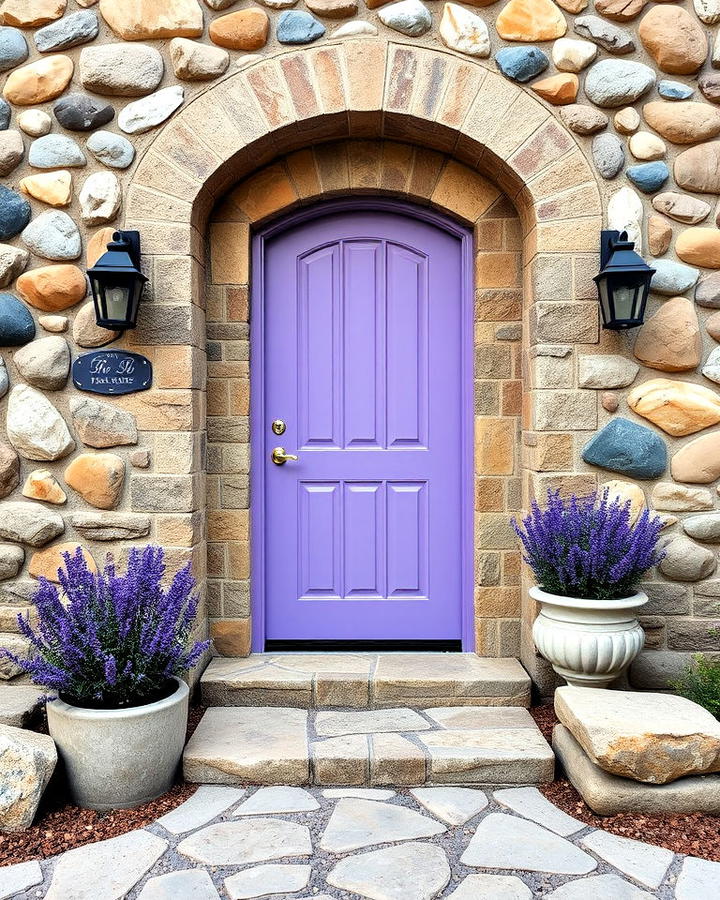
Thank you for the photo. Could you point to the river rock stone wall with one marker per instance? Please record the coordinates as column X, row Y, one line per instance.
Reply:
column 86, row 87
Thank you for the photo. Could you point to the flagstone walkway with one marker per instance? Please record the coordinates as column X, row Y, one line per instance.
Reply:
column 228, row 843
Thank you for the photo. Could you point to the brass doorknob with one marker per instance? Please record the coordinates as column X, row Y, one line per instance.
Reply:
column 280, row 457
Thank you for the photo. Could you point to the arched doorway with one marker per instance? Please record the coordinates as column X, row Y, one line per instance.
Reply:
column 362, row 369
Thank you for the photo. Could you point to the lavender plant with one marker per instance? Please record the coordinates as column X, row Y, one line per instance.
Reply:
column 587, row 548
column 113, row 640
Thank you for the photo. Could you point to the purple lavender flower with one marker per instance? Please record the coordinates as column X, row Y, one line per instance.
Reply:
column 585, row 547
column 116, row 639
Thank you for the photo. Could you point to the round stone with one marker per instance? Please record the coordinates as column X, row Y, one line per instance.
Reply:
column 52, row 288
column 627, row 120
column 687, row 561
column 617, row 82
column 410, row 17
column 193, row 61
column 698, row 462
column 571, row 55
column 625, row 212
column 698, row 168
column 670, row 339
column 678, row 407
column 77, row 28
column 121, row 70
column 684, row 122
column 357, row 28
column 608, row 155
column 333, row 9
column 463, row 31
column 112, row 150
column 710, row 87
column 12, row 151
column 583, row 119
column 31, row 13
column 557, row 89
column 34, row 122
column 620, row 10
column 14, row 213
column 5, row 114
column 39, row 81
column 674, row 90
column 699, row 247
column 13, row 48
column 243, row 30
column 44, row 363
column 659, row 235
column 54, row 324
column 674, row 39
column 16, row 324
column 647, row 146
column 53, row 188
column 649, row 177
column 148, row 112
column 627, row 448
column 711, row 369
column 35, row 427
column 153, row 19
column 604, row 34
column 681, row 207
column 707, row 291
column 295, row 26
column 53, row 235
column 97, row 477
column 100, row 198
column 521, row 63
column 708, row 11
column 12, row 262
column 81, row 112
column 56, row 151
column 87, row 333
column 530, row 20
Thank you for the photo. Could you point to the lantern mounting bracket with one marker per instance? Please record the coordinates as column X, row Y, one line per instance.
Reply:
column 130, row 241
column 608, row 240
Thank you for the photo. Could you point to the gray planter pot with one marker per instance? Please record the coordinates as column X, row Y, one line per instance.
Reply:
column 118, row 758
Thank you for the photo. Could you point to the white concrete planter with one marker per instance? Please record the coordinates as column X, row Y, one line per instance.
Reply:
column 118, row 758
column 588, row 642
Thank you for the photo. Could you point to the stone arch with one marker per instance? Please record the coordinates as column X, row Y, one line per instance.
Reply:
column 372, row 89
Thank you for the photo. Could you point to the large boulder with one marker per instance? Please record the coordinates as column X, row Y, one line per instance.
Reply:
column 653, row 738
column 27, row 760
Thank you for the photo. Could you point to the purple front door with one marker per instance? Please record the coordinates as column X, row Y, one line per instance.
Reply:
column 363, row 340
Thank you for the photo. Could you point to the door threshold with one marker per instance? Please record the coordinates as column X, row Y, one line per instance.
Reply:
column 363, row 646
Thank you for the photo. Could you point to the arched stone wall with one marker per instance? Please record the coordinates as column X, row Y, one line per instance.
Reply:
column 472, row 135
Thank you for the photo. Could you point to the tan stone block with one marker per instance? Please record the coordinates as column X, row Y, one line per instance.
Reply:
column 177, row 453
column 180, row 530
column 239, row 397
column 300, row 86
column 511, row 398
column 268, row 85
column 325, row 64
column 46, row 563
column 494, row 532
column 564, row 410
column 497, row 270
column 550, row 453
column 265, row 193
column 495, row 445
column 395, row 760
column 333, row 689
column 497, row 602
column 462, row 87
column 486, row 637
column 303, row 174
column 166, row 410
column 341, row 760
column 463, row 191
column 228, row 525
column 217, row 397
column 489, row 495
column 364, row 65
column 230, row 252
column 231, row 637
column 549, row 142
column 564, row 323
column 238, row 559
column 499, row 305
column 396, row 165
column 566, row 482
column 332, row 167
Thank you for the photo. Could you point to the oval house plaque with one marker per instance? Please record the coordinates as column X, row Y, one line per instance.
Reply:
column 112, row 372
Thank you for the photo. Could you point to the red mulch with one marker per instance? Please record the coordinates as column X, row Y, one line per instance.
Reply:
column 60, row 826
column 696, row 834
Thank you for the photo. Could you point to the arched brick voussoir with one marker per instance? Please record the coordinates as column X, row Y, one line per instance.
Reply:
column 371, row 88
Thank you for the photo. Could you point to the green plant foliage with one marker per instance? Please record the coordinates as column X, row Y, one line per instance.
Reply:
column 700, row 682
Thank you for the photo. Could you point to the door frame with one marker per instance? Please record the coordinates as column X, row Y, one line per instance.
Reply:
column 257, row 396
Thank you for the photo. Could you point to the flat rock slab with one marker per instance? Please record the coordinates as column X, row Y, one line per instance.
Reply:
column 247, row 841
column 107, row 870
column 408, row 872
column 476, row 717
column 264, row 745
column 491, row 887
column 602, row 886
column 271, row 800
column 365, row 680
column 698, row 878
column 18, row 704
column 653, row 738
column 453, row 805
column 531, row 804
column 333, row 724
column 188, row 884
column 270, row 879
column 609, row 795
column 359, row 793
column 641, row 862
column 208, row 801
column 18, row 878
column 361, row 823
column 507, row 842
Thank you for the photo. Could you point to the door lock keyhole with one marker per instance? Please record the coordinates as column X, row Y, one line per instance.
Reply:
column 278, row 426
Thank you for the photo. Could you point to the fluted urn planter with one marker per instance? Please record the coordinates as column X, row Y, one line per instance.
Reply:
column 588, row 642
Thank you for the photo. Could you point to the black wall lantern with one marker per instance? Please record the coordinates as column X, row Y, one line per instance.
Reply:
column 117, row 282
column 623, row 283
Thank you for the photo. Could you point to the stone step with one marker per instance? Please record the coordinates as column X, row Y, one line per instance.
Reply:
column 365, row 680
column 468, row 745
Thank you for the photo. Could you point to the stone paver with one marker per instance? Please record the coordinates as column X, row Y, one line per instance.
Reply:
column 409, row 872
column 270, row 879
column 639, row 861
column 333, row 724
column 106, row 870
column 454, row 805
column 271, row 800
column 530, row 803
column 506, row 842
column 208, row 801
column 247, row 841
column 492, row 887
column 698, row 878
column 601, row 886
column 476, row 717
column 401, row 844
column 18, row 878
column 187, row 884
column 361, row 823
